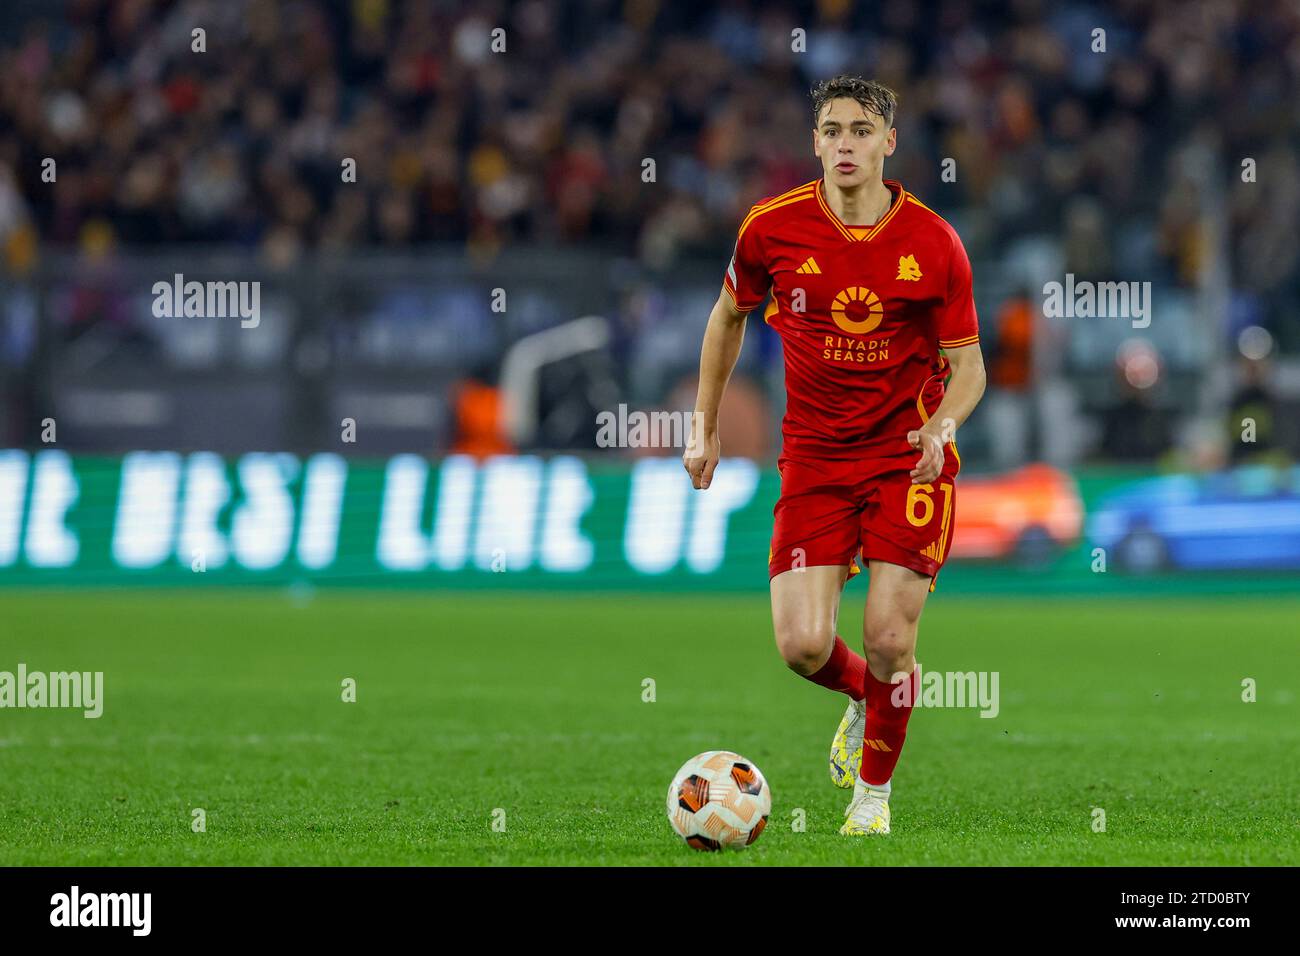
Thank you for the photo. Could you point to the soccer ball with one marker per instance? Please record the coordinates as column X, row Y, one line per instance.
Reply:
column 719, row 799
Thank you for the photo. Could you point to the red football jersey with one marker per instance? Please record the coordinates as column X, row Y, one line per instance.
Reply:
column 862, row 312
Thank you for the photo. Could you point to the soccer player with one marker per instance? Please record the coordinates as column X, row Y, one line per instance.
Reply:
column 871, row 295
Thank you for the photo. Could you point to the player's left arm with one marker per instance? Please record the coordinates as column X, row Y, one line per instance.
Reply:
column 964, row 391
column 957, row 330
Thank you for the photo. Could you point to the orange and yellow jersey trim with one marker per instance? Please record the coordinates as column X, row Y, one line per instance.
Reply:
column 799, row 194
column 860, row 233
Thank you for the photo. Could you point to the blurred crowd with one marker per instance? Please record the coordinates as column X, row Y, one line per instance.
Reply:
column 1141, row 139
column 546, row 139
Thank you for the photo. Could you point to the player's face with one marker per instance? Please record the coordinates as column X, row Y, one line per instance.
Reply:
column 852, row 143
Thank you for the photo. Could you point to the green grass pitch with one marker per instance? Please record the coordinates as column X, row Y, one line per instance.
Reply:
column 468, row 705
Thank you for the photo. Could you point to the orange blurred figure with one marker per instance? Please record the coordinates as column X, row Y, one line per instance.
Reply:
column 1012, row 363
column 479, row 429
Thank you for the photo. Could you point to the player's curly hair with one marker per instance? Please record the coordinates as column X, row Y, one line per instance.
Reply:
column 874, row 96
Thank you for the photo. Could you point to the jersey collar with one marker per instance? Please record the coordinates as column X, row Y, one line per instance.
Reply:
column 860, row 233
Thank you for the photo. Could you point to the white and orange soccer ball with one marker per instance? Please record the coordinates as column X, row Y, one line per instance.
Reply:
column 719, row 799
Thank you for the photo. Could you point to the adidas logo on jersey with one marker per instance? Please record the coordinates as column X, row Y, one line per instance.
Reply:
column 810, row 267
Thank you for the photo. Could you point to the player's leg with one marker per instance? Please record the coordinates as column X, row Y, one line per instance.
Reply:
column 816, row 531
column 815, row 535
column 894, row 604
column 906, row 536
column 889, row 629
column 805, row 610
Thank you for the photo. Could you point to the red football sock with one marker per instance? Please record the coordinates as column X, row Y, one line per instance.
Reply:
column 842, row 672
column 886, row 726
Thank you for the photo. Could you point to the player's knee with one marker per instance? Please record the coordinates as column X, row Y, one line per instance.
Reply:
column 803, row 646
column 890, row 643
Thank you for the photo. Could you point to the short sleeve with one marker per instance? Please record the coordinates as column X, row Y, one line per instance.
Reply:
column 957, row 325
column 747, row 280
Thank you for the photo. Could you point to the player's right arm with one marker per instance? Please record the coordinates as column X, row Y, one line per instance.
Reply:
column 744, row 288
column 723, row 337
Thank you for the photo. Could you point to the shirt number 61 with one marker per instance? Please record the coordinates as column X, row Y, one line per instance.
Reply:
column 918, row 496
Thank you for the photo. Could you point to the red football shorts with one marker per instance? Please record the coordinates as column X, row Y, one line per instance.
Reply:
column 830, row 511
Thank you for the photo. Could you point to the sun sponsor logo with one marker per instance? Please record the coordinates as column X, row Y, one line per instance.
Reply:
column 958, row 689
column 74, row 690
column 857, row 301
